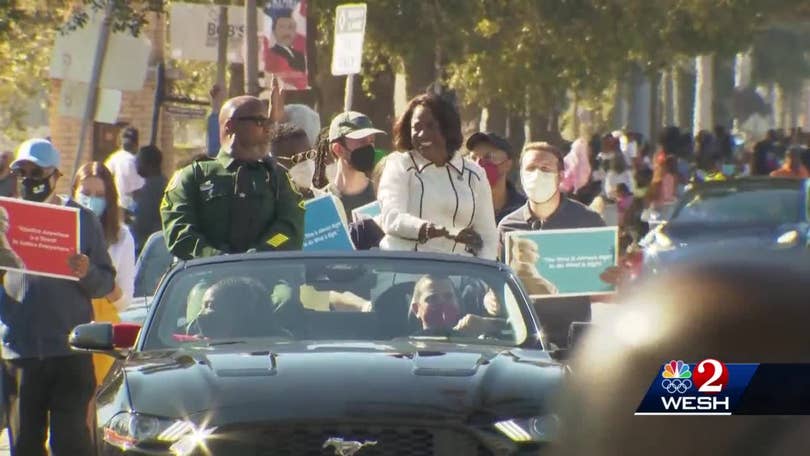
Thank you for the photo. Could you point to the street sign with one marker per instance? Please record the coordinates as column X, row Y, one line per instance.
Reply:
column 350, row 27
column 194, row 32
column 125, row 63
column 73, row 95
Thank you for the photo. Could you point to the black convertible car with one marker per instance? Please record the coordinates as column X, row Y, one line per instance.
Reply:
column 368, row 353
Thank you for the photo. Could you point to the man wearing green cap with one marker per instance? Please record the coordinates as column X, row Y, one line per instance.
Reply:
column 351, row 141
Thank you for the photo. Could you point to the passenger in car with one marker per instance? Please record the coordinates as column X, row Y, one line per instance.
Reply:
column 236, row 307
column 436, row 307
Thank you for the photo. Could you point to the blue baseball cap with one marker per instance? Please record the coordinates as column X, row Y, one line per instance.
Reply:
column 39, row 152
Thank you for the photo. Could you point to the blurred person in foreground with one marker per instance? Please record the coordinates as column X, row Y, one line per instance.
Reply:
column 736, row 307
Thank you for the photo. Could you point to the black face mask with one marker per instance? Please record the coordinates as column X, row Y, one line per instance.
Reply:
column 38, row 190
column 362, row 158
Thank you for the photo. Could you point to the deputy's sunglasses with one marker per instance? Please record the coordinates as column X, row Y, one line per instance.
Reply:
column 260, row 121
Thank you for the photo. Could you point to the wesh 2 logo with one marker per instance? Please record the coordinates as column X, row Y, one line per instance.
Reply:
column 689, row 390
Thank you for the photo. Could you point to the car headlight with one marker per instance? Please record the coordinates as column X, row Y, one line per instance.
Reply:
column 128, row 430
column 788, row 239
column 535, row 429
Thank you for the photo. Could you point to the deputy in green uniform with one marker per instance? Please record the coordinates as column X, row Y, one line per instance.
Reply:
column 240, row 201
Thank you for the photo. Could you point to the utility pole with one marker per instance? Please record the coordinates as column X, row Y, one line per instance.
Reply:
column 251, row 49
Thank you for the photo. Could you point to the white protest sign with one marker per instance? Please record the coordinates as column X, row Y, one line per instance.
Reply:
column 194, row 32
column 73, row 96
column 125, row 62
column 350, row 27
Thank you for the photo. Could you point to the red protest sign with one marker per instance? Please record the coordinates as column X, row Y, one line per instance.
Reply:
column 38, row 238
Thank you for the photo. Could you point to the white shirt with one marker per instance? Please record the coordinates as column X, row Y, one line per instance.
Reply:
column 612, row 179
column 122, row 254
column 127, row 180
column 413, row 191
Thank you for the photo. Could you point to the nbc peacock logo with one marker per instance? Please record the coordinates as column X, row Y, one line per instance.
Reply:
column 676, row 377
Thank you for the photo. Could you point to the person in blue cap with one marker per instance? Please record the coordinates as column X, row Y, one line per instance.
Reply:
column 48, row 386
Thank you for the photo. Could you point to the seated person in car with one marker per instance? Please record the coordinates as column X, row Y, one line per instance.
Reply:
column 436, row 306
column 235, row 307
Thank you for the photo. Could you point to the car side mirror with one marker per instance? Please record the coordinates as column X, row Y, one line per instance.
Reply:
column 104, row 338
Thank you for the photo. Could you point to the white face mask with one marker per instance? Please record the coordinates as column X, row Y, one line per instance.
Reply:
column 301, row 173
column 539, row 186
column 331, row 172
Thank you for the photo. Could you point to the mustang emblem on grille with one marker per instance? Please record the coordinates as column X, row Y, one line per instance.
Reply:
column 346, row 447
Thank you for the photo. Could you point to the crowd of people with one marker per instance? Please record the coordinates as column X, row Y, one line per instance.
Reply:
column 437, row 192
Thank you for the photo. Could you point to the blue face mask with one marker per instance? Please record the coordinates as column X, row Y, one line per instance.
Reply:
column 97, row 204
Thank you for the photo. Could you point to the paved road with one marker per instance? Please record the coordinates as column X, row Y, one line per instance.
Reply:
column 599, row 310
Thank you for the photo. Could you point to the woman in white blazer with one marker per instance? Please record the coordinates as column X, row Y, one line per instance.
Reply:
column 432, row 198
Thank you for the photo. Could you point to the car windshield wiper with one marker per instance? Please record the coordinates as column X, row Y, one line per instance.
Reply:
column 225, row 342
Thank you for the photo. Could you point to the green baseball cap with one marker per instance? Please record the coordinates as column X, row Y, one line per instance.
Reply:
column 351, row 124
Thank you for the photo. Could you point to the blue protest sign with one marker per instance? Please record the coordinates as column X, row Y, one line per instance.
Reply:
column 323, row 227
column 557, row 263
column 365, row 211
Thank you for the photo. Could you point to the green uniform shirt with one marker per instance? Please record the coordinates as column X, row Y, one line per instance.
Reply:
column 197, row 214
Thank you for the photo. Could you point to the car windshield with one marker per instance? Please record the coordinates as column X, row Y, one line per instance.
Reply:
column 740, row 206
column 366, row 299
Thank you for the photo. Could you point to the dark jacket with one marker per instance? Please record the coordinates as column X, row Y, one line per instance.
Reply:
column 147, row 209
column 39, row 312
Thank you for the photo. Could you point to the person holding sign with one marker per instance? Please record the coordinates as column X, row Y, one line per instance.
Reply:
column 541, row 170
column 241, row 201
column 94, row 189
column 46, row 383
column 433, row 199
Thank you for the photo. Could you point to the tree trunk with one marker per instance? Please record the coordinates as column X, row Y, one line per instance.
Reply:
column 667, row 98
column 704, row 94
column 742, row 78
column 640, row 106
column 483, row 125
column 655, row 108
column 805, row 116
column 620, row 109
column 527, row 120
column 779, row 108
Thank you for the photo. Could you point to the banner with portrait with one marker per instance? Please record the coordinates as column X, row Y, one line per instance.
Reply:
column 284, row 42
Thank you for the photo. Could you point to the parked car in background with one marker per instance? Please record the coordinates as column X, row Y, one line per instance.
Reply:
column 746, row 212
column 303, row 353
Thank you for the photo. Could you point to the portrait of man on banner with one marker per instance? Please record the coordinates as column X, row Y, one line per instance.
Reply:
column 284, row 42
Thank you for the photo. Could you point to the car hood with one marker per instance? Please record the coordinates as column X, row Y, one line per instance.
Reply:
column 364, row 380
column 694, row 233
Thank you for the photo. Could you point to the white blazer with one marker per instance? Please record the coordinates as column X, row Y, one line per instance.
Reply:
column 413, row 191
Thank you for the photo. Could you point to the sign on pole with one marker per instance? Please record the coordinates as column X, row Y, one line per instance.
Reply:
column 126, row 59
column 350, row 27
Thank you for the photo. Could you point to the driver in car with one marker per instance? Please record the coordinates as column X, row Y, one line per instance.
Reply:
column 436, row 306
